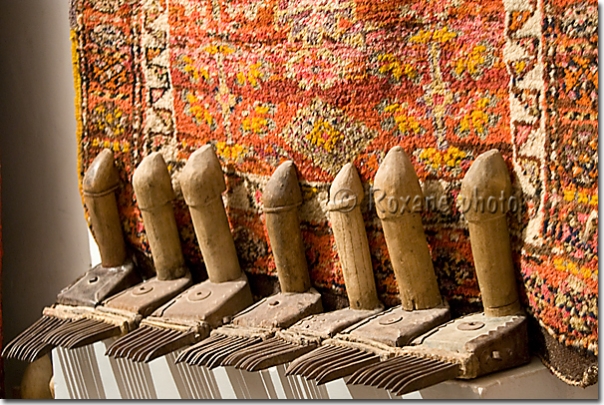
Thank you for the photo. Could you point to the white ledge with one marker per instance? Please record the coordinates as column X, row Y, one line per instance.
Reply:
column 532, row 381
column 86, row 373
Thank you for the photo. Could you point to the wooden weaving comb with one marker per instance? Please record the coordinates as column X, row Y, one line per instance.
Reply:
column 191, row 316
column 475, row 344
column 422, row 307
column 115, row 273
column 351, row 240
column 123, row 312
column 297, row 299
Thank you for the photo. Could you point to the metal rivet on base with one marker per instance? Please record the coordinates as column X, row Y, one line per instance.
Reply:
column 470, row 325
column 391, row 320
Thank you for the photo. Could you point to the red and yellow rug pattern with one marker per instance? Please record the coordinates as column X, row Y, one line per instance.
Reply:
column 326, row 82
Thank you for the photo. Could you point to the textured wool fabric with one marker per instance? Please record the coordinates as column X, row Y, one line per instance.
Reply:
column 326, row 82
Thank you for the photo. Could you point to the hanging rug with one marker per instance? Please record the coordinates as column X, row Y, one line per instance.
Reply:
column 326, row 82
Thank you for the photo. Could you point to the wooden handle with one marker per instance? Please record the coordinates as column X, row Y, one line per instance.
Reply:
column 396, row 187
column 99, row 185
column 202, row 184
column 484, row 193
column 281, row 198
column 345, row 196
column 154, row 194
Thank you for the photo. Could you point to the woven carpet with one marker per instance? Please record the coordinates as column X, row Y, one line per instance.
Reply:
column 325, row 82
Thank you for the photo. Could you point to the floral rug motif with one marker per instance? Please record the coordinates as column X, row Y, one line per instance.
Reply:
column 326, row 82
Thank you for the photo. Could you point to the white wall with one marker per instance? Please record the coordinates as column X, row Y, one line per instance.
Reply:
column 43, row 229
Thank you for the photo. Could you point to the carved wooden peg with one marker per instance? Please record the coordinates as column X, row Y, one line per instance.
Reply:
column 364, row 343
column 475, row 344
column 99, row 185
column 154, row 194
column 189, row 317
column 202, row 183
column 236, row 343
column 345, row 196
column 115, row 273
column 281, row 198
column 484, row 197
column 396, row 188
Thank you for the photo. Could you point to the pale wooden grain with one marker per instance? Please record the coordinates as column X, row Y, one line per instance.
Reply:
column 281, row 198
column 489, row 236
column 202, row 183
column 351, row 239
column 154, row 194
column 404, row 232
column 99, row 185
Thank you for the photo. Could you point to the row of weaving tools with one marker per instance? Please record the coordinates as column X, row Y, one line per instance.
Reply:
column 215, row 323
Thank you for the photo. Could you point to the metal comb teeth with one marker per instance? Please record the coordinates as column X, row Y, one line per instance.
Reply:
column 265, row 354
column 81, row 332
column 29, row 345
column 329, row 363
column 187, row 354
column 405, row 374
column 212, row 351
column 148, row 343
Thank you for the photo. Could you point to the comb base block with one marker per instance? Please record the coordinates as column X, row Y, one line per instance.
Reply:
column 97, row 284
column 146, row 297
column 280, row 311
column 481, row 344
column 327, row 324
column 206, row 302
column 254, row 324
column 397, row 327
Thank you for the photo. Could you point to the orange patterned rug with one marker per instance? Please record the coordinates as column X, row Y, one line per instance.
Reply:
column 325, row 82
